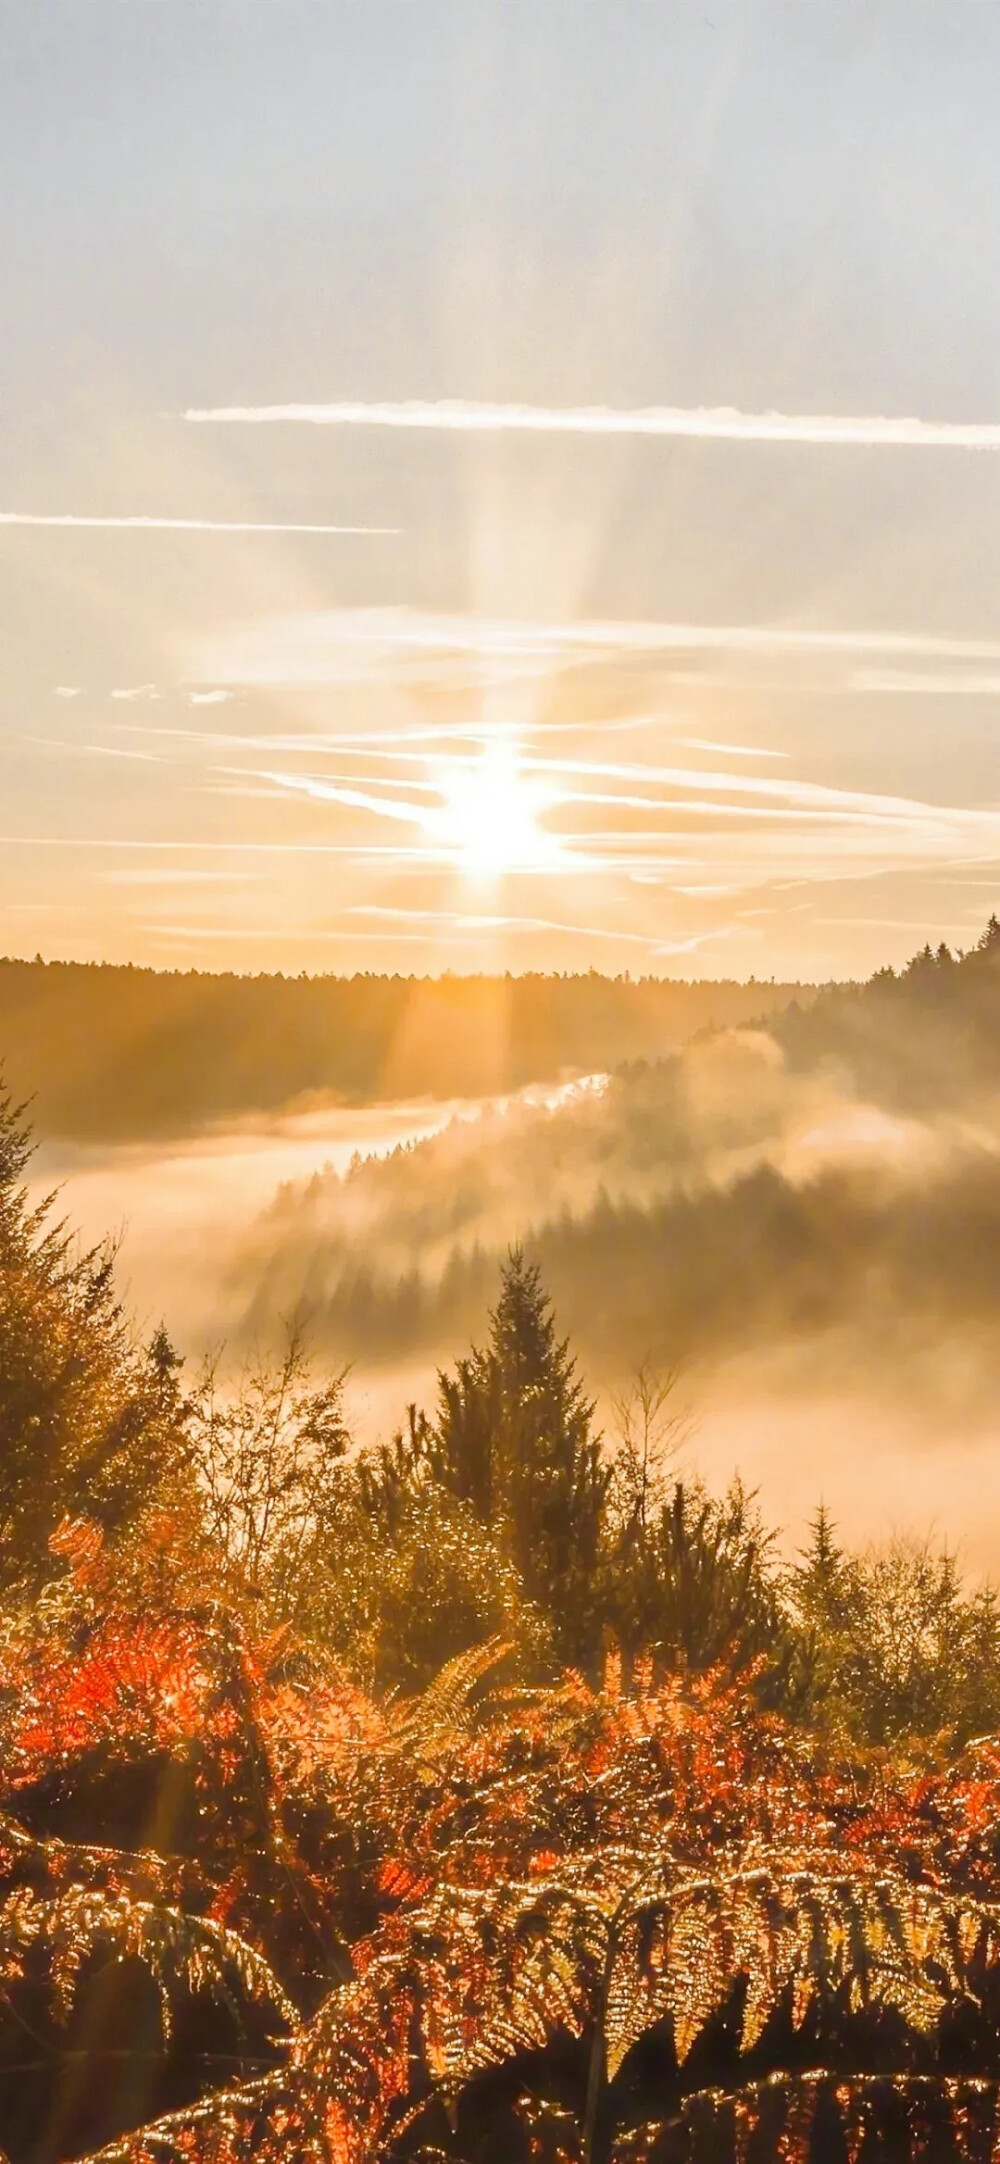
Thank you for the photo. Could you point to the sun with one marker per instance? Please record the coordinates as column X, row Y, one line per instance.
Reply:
column 489, row 818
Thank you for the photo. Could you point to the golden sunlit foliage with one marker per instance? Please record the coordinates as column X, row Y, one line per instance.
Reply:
column 480, row 1796
column 643, row 1920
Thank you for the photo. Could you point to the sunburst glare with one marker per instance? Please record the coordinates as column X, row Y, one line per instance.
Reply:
column 490, row 814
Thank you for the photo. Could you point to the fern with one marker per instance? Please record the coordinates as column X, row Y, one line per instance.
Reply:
column 441, row 1713
column 230, row 2128
column 795, row 2118
column 176, row 1949
column 803, row 1938
column 616, row 1894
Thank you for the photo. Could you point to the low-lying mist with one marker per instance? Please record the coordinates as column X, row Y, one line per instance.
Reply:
column 715, row 1203
column 802, row 1220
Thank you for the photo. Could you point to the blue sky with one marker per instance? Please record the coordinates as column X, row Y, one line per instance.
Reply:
column 731, row 702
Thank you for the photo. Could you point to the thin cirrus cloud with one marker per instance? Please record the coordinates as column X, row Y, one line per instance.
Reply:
column 778, row 823
column 142, row 523
column 97, row 751
column 350, row 645
column 811, row 798
column 724, row 424
column 167, row 875
column 458, row 920
column 918, row 683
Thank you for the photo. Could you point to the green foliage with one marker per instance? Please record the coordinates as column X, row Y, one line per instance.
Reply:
column 697, row 1580
column 514, row 1438
column 268, row 1456
column 410, row 1578
column 90, row 1423
column 899, row 1648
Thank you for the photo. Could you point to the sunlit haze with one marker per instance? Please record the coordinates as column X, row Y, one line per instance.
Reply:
column 493, row 487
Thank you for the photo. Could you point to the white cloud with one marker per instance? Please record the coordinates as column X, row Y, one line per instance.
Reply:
column 115, row 751
column 67, row 691
column 730, row 751
column 458, row 920
column 357, row 645
column 783, row 824
column 705, row 423
column 136, row 691
column 917, row 682
column 168, row 875
column 180, row 525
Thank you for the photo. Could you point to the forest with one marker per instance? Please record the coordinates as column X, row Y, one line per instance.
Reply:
column 119, row 1052
column 764, row 1188
column 500, row 1791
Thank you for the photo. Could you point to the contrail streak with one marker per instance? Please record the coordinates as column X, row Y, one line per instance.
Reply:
column 181, row 525
column 725, row 424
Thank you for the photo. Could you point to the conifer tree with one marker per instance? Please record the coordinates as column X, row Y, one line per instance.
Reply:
column 821, row 1579
column 90, row 1423
column 514, row 1436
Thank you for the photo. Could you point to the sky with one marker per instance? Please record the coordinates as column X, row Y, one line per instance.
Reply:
column 499, row 484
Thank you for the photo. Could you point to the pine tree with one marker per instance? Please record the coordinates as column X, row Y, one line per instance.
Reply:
column 90, row 1424
column 514, row 1437
column 821, row 1579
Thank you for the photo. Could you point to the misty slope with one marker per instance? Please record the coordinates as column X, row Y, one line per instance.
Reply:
column 840, row 1170
column 919, row 1042
column 121, row 1053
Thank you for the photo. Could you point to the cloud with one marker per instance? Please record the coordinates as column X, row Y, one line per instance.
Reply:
column 115, row 751
column 810, row 796
column 916, row 682
column 67, row 691
column 710, row 822
column 449, row 920
column 102, row 751
column 725, row 424
column 181, row 525
column 137, row 691
column 357, row 645
column 334, row 792
column 730, row 751
column 171, row 875
column 210, row 698
column 183, row 843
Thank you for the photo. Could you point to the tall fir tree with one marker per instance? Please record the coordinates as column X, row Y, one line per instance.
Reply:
column 514, row 1436
column 90, row 1423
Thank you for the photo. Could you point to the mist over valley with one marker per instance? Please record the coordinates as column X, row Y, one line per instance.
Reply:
column 798, row 1216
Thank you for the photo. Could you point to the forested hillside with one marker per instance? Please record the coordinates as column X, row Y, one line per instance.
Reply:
column 837, row 1170
column 118, row 1053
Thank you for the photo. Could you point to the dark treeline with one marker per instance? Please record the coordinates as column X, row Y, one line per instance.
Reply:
column 119, row 1052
